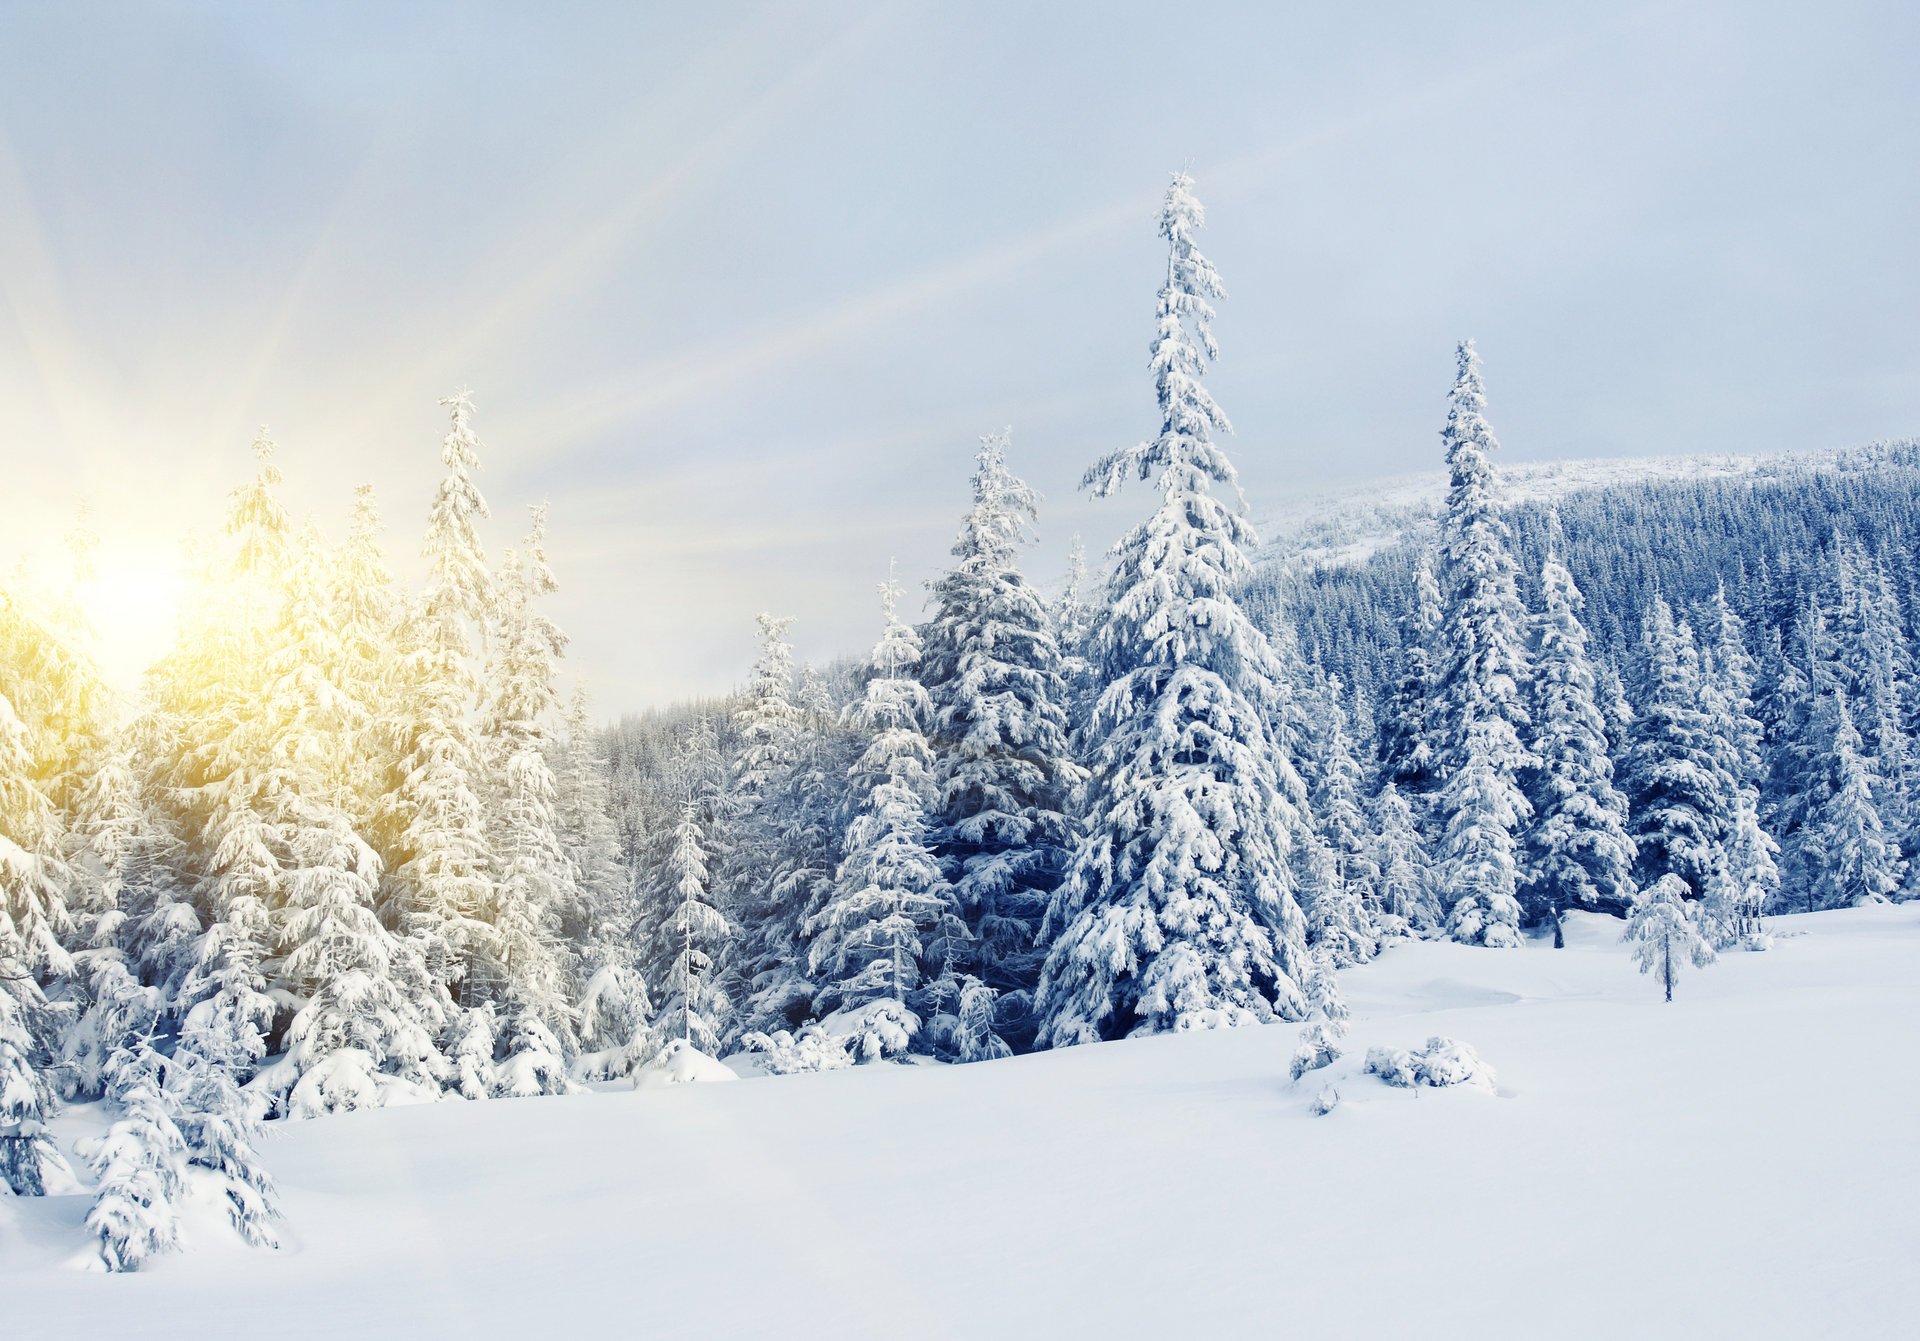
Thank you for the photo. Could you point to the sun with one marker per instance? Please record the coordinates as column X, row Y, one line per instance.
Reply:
column 132, row 607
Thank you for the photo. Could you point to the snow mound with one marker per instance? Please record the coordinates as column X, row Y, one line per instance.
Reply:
column 680, row 1063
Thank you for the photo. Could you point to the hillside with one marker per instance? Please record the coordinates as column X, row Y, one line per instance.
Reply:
column 1739, row 1163
column 1350, row 523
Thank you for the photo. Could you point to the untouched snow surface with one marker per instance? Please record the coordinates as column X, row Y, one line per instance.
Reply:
column 1744, row 1162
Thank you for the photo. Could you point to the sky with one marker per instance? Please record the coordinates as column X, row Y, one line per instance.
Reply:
column 737, row 288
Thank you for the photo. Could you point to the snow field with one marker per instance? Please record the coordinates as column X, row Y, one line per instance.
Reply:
column 1740, row 1163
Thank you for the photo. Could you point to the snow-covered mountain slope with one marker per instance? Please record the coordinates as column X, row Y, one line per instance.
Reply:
column 1739, row 1163
column 1348, row 523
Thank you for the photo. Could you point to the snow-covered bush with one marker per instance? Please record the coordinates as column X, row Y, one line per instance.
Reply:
column 534, row 1064
column 1317, row 1049
column 1324, row 1102
column 785, row 1054
column 876, row 1031
column 1447, row 1061
column 470, row 1053
column 1441, row 1063
column 1393, row 1065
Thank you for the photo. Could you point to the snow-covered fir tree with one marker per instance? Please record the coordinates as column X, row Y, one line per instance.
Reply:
column 1663, row 934
column 769, row 727
column 522, row 964
column 1678, row 788
column 431, row 821
column 140, row 1166
column 870, row 944
column 1178, row 909
column 1405, row 863
column 801, row 880
column 1853, row 859
column 1748, row 879
column 1003, row 772
column 693, row 1005
column 1480, row 687
column 1579, row 854
column 217, row 1124
column 1410, row 754
column 1340, row 879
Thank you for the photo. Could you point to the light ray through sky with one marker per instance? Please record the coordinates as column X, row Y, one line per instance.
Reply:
column 738, row 289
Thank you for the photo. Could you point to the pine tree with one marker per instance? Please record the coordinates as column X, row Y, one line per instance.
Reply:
column 1409, row 753
column 1401, row 856
column 1580, row 854
column 141, row 1167
column 1178, row 910
column 614, row 1010
column 889, row 900
column 1748, row 879
column 1480, row 684
column 1003, row 773
column 1854, row 859
column 431, row 817
column 521, row 962
column 1340, row 880
column 768, row 724
column 693, row 1001
column 1074, row 623
column 1663, row 933
column 216, row 1122
column 364, row 609
column 365, row 1034
column 1680, row 794
column 28, row 1156
column 801, row 879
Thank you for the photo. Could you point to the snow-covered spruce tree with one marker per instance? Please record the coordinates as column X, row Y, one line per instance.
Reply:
column 29, row 1159
column 363, row 608
column 366, row 1006
column 693, row 1004
column 1479, row 697
column 1797, row 681
column 1853, row 859
column 1579, row 853
column 140, row 1165
column 1409, row 753
column 216, row 1121
column 1178, row 910
column 1340, row 881
column 430, row 820
column 1679, row 793
column 768, row 724
column 1074, row 622
column 1875, row 666
column 801, row 879
column 1748, row 879
column 870, row 942
column 32, row 920
column 615, row 1011
column 33, row 875
column 1663, row 934
column 521, row 965
column 1003, row 772
column 1405, row 864
column 364, row 1035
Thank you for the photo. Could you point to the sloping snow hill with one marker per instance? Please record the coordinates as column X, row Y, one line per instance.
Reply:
column 1743, row 1162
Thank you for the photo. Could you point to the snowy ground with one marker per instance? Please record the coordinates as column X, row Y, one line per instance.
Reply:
column 1742, row 1163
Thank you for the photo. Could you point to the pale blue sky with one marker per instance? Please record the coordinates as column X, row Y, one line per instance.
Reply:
column 737, row 287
